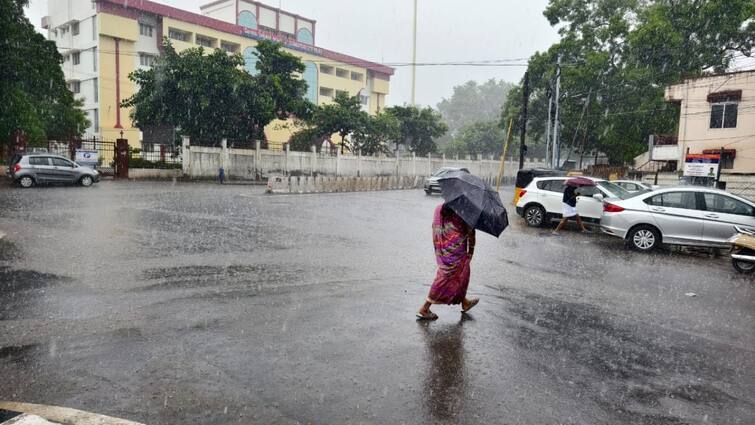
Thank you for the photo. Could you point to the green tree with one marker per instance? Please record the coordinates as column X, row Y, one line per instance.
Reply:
column 344, row 116
column 34, row 97
column 472, row 102
column 418, row 128
column 618, row 56
column 278, row 77
column 484, row 138
column 377, row 134
column 210, row 97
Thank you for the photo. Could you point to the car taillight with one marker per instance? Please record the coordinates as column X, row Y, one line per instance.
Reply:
column 522, row 193
column 16, row 168
column 612, row 208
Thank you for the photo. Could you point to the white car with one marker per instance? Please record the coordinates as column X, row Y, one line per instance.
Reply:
column 634, row 185
column 685, row 215
column 542, row 200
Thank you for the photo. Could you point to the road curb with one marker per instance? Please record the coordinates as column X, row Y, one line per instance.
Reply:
column 63, row 415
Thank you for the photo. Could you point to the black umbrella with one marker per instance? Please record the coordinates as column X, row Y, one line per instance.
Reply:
column 474, row 201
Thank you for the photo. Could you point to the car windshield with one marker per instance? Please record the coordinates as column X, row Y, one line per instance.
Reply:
column 614, row 189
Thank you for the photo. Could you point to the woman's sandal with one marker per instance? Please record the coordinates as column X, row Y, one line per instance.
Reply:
column 473, row 302
column 429, row 316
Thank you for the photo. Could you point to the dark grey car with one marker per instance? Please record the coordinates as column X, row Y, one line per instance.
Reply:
column 28, row 170
column 432, row 184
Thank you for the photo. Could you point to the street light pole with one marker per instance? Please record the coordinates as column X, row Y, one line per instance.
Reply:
column 556, row 145
column 414, row 57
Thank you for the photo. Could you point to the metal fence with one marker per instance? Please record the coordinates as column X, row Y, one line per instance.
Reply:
column 159, row 157
column 98, row 154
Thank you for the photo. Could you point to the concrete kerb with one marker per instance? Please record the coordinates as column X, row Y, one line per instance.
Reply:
column 64, row 415
column 320, row 184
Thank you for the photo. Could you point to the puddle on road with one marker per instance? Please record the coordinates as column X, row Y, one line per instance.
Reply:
column 19, row 353
column 22, row 290
column 232, row 280
column 631, row 370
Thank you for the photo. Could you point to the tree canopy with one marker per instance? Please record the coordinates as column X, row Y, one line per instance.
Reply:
column 483, row 138
column 382, row 133
column 617, row 58
column 418, row 128
column 34, row 97
column 210, row 97
column 472, row 102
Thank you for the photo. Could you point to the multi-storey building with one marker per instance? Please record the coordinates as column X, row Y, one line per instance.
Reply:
column 103, row 41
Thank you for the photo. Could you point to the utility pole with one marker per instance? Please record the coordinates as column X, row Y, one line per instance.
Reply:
column 414, row 57
column 718, row 173
column 548, row 130
column 523, row 133
column 556, row 154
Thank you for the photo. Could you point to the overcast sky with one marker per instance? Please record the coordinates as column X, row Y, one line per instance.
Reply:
column 448, row 31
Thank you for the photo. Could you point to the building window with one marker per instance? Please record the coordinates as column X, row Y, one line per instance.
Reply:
column 75, row 86
column 75, row 28
column 356, row 76
column 96, row 119
column 96, row 90
column 342, row 73
column 325, row 91
column 724, row 114
column 94, row 27
column 229, row 47
column 146, row 60
column 342, row 93
column 94, row 58
column 327, row 69
column 76, row 58
column 178, row 35
column 205, row 41
column 365, row 100
column 146, row 30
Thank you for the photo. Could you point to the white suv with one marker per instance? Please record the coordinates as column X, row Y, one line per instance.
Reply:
column 542, row 200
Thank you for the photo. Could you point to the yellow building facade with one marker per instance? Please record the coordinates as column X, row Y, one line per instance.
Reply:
column 127, row 35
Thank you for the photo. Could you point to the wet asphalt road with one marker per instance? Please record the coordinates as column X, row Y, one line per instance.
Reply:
column 201, row 304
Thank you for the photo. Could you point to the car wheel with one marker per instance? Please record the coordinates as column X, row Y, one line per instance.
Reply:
column 741, row 266
column 86, row 181
column 26, row 182
column 534, row 216
column 428, row 192
column 644, row 238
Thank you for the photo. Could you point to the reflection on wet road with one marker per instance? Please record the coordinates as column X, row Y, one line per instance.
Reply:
column 197, row 303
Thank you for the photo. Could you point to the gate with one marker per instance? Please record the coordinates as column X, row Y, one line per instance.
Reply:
column 98, row 154
column 121, row 158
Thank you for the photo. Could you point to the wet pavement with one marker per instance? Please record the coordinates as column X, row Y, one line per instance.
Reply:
column 205, row 304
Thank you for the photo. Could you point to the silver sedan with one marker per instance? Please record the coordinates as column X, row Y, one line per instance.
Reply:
column 686, row 215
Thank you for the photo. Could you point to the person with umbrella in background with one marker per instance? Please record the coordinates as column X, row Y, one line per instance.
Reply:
column 469, row 204
column 570, row 203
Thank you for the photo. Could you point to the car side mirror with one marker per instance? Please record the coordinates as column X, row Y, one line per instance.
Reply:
column 598, row 197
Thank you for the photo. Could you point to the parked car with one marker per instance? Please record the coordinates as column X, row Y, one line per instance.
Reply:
column 634, row 185
column 431, row 183
column 525, row 176
column 542, row 200
column 32, row 169
column 685, row 215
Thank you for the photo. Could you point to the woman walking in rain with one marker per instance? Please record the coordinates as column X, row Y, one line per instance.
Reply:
column 454, row 244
